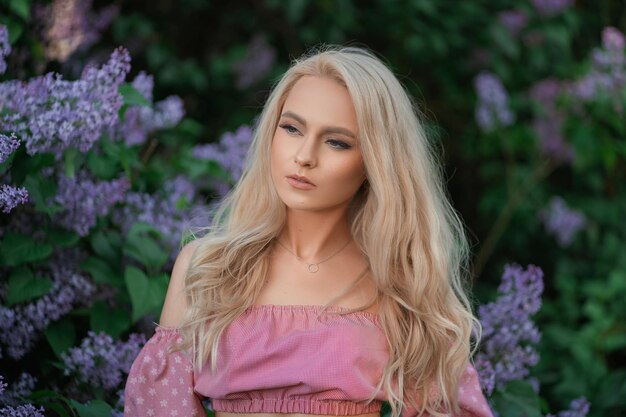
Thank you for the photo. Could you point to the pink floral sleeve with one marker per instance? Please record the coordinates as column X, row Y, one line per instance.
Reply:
column 471, row 398
column 161, row 385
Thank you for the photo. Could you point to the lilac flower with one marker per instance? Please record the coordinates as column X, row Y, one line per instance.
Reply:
column 23, row 387
column 22, row 325
column 70, row 25
column 51, row 114
column 561, row 221
column 140, row 121
column 486, row 372
column 84, row 199
column 160, row 210
column 514, row 20
column 577, row 408
column 118, row 410
column 100, row 361
column 607, row 75
column 3, row 385
column 549, row 121
column 256, row 64
column 230, row 152
column 5, row 48
column 11, row 197
column 26, row 410
column 492, row 110
column 612, row 39
column 8, row 145
column 548, row 8
column 506, row 351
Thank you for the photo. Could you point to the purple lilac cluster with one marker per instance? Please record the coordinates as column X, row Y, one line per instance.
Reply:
column 84, row 199
column 577, row 408
column 230, row 153
column 608, row 72
column 160, row 210
column 23, row 387
column 11, row 197
column 256, row 64
column 548, row 121
column 11, row 399
column 70, row 25
column 25, row 410
column 513, row 20
column 100, row 361
column 118, row 410
column 493, row 109
column 5, row 48
column 51, row 114
column 508, row 332
column 548, row 8
column 8, row 145
column 21, row 326
column 561, row 221
column 140, row 121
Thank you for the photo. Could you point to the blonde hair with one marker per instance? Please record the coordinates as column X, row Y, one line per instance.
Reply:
column 401, row 219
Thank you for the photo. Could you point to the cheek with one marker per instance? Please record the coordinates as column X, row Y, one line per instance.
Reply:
column 351, row 172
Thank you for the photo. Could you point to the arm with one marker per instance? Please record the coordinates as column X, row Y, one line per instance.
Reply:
column 161, row 384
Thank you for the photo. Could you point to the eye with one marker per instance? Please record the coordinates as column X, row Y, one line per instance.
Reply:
column 338, row 144
column 289, row 129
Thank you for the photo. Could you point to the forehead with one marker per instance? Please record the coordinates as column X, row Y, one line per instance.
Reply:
column 321, row 101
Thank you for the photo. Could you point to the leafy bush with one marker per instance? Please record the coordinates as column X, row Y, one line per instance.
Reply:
column 100, row 181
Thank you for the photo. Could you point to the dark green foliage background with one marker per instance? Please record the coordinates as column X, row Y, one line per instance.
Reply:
column 498, row 181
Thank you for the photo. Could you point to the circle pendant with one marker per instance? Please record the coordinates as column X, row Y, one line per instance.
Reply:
column 313, row 268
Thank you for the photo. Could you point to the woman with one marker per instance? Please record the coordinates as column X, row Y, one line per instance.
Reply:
column 331, row 278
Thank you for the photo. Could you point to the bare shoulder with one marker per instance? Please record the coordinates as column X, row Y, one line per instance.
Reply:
column 175, row 302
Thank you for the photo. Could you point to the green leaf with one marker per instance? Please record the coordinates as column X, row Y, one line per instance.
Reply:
column 71, row 159
column 132, row 97
column 49, row 399
column 40, row 191
column 144, row 248
column 107, row 244
column 24, row 286
column 146, row 295
column 103, row 166
column 15, row 27
column 102, row 272
column 20, row 8
column 61, row 237
column 61, row 335
column 95, row 408
column 518, row 399
column 112, row 321
column 20, row 249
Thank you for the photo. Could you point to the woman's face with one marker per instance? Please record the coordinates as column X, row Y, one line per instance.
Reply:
column 317, row 138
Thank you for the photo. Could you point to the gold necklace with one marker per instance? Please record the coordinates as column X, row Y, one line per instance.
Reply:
column 313, row 267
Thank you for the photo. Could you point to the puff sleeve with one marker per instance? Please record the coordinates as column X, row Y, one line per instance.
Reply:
column 472, row 401
column 161, row 384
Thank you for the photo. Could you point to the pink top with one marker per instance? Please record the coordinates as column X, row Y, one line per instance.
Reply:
column 277, row 359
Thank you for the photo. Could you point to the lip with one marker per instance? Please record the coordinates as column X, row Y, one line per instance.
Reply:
column 300, row 178
column 295, row 182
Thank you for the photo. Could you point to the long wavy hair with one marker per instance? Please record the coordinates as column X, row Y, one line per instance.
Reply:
column 401, row 218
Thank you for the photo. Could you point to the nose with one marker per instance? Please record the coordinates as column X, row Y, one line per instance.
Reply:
column 305, row 156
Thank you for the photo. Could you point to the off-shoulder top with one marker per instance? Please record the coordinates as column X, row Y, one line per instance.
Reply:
column 277, row 359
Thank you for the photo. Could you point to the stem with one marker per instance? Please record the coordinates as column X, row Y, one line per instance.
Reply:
column 504, row 218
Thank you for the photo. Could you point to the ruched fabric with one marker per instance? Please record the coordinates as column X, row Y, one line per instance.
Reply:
column 278, row 359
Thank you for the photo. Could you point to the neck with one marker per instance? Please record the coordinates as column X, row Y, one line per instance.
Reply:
column 314, row 235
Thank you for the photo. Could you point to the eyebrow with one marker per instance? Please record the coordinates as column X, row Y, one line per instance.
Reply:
column 326, row 129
